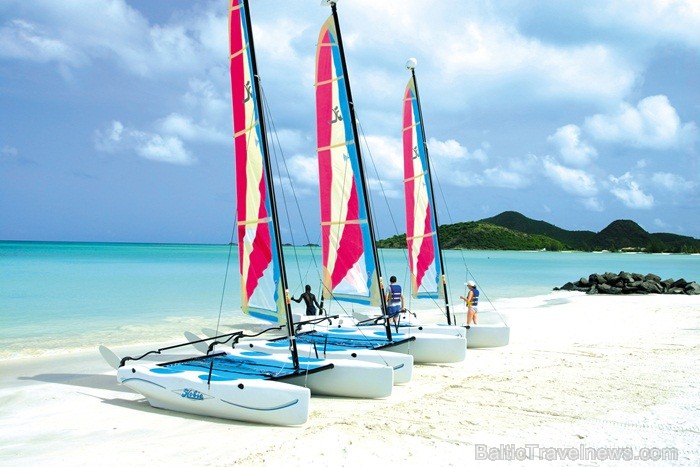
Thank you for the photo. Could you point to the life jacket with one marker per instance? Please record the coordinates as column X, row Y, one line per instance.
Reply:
column 475, row 297
column 395, row 298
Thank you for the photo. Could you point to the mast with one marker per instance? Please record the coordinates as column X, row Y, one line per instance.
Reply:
column 411, row 65
column 270, row 187
column 370, row 221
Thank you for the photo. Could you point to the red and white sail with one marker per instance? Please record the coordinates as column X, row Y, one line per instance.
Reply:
column 261, row 288
column 421, row 229
column 349, row 267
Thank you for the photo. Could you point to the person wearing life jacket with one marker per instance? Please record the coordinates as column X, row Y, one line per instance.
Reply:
column 472, row 301
column 394, row 300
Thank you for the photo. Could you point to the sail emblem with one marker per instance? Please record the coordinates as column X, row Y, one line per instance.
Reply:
column 248, row 92
column 415, row 152
column 337, row 117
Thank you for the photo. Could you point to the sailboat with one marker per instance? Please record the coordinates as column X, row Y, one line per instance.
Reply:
column 351, row 267
column 238, row 384
column 263, row 278
column 426, row 262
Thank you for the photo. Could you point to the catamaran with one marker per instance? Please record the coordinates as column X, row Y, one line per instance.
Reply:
column 351, row 267
column 426, row 262
column 242, row 384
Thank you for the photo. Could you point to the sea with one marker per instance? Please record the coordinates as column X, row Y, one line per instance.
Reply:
column 60, row 297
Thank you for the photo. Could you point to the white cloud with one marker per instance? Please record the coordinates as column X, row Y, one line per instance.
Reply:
column 572, row 149
column 659, row 20
column 518, row 173
column 391, row 191
column 496, row 54
column 592, row 204
column 75, row 32
column 303, row 169
column 574, row 181
column 629, row 192
column 450, row 149
column 164, row 149
column 659, row 223
column 23, row 40
column 117, row 138
column 383, row 157
column 672, row 182
column 504, row 178
column 452, row 163
column 653, row 123
column 8, row 151
column 183, row 127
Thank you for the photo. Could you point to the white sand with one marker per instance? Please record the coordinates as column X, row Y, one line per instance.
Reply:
column 582, row 372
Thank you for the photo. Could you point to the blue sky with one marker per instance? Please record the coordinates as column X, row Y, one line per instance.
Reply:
column 115, row 120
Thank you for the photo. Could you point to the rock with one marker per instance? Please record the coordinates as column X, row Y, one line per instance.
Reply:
column 608, row 289
column 692, row 288
column 630, row 283
column 626, row 277
column 596, row 279
column 652, row 277
column 611, row 277
column 680, row 283
column 651, row 287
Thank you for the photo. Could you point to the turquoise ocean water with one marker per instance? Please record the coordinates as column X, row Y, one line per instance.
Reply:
column 56, row 297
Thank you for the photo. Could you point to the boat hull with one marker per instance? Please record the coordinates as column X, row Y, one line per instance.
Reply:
column 478, row 336
column 347, row 378
column 483, row 336
column 243, row 399
column 425, row 348
column 401, row 364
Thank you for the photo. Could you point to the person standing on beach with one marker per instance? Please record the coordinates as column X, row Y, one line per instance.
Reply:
column 394, row 300
column 472, row 301
column 310, row 300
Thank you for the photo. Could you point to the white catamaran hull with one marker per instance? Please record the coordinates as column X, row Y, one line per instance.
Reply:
column 478, row 336
column 426, row 348
column 347, row 378
column 249, row 400
column 483, row 336
column 400, row 363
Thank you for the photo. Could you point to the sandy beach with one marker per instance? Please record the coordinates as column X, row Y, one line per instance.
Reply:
column 581, row 374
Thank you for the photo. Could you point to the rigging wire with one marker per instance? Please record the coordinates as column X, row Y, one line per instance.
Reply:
column 223, row 288
column 283, row 168
column 467, row 272
column 406, row 279
column 279, row 158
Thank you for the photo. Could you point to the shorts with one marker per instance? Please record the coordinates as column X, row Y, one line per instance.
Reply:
column 393, row 310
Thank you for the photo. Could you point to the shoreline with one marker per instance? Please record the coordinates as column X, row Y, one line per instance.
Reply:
column 593, row 371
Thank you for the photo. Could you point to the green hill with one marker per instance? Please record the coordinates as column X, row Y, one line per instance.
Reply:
column 481, row 236
column 511, row 230
column 622, row 234
column 575, row 239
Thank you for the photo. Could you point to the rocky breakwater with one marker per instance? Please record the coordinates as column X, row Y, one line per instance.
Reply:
column 631, row 283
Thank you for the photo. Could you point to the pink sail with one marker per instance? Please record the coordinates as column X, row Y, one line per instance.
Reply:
column 261, row 290
column 421, row 229
column 349, row 268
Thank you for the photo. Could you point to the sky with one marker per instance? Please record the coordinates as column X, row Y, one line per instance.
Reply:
column 116, row 126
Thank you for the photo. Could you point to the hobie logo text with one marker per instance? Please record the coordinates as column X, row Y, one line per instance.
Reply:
column 192, row 394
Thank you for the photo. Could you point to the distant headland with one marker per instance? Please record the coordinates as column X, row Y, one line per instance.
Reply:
column 511, row 230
